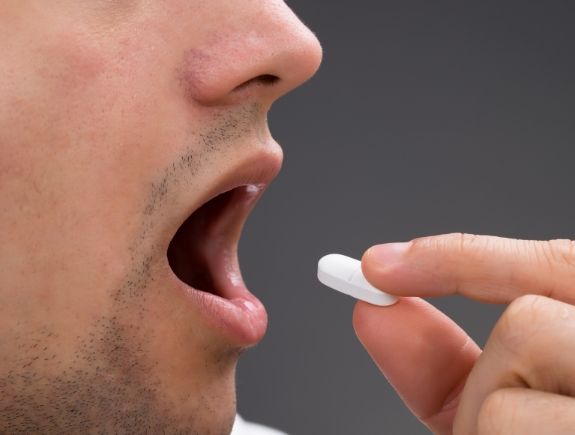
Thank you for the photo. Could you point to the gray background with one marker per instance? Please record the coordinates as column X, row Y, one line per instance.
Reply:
column 426, row 118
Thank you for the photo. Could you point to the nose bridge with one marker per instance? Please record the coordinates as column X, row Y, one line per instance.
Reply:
column 261, row 41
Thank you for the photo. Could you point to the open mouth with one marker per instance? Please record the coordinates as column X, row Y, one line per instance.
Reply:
column 203, row 252
column 203, row 257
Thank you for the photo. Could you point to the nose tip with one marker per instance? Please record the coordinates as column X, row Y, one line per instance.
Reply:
column 268, row 52
column 302, row 59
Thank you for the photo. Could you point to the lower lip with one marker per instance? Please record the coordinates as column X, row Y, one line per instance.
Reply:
column 241, row 321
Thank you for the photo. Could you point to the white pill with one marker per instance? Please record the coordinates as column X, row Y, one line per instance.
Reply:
column 344, row 274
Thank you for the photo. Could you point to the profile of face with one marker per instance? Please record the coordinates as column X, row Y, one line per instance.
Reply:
column 133, row 144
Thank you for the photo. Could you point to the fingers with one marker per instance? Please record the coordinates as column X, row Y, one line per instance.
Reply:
column 519, row 411
column 425, row 356
column 485, row 268
column 530, row 348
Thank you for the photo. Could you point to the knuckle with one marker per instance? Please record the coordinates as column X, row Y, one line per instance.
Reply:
column 496, row 414
column 458, row 242
column 468, row 242
column 518, row 325
column 561, row 251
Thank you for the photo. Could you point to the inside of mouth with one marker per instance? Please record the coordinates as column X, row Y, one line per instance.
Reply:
column 191, row 252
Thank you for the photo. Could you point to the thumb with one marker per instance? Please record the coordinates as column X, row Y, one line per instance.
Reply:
column 424, row 355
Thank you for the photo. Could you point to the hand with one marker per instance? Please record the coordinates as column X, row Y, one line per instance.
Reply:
column 523, row 382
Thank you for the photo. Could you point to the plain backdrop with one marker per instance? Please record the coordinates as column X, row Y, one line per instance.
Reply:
column 425, row 118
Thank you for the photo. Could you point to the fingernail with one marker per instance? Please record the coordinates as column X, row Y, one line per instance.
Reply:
column 389, row 253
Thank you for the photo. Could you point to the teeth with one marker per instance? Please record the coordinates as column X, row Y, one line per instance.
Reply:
column 254, row 188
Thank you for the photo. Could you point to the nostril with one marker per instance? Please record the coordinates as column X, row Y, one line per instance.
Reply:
column 264, row 80
column 268, row 79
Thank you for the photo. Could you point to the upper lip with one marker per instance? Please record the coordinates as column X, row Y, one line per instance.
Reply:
column 257, row 168
column 213, row 227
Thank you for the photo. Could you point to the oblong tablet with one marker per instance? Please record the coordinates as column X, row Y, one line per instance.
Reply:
column 344, row 274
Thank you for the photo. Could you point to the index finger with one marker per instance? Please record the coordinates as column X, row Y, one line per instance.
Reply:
column 485, row 268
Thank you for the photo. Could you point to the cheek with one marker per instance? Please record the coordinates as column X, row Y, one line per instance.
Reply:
column 94, row 123
column 72, row 61
column 59, row 167
column 91, row 99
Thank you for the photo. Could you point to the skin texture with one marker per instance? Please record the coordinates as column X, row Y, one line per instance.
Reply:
column 523, row 382
column 117, row 119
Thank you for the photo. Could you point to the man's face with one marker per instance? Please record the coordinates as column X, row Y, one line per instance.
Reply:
column 119, row 121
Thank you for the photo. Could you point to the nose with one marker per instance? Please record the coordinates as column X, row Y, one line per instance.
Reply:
column 260, row 47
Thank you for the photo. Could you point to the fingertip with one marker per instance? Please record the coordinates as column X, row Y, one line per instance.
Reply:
column 378, row 327
column 388, row 253
column 371, row 268
column 399, row 269
column 362, row 319
column 368, row 316
column 381, row 266
column 358, row 318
